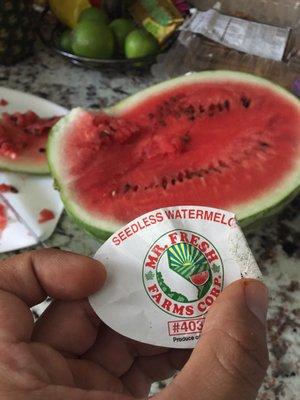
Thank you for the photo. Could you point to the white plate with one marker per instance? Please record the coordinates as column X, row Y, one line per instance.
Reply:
column 35, row 192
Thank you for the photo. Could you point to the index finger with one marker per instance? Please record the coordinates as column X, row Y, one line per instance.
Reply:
column 27, row 279
column 34, row 275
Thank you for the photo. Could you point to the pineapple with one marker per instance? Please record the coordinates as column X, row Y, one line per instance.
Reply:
column 16, row 30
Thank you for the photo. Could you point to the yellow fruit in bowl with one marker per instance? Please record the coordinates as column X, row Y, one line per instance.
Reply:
column 68, row 11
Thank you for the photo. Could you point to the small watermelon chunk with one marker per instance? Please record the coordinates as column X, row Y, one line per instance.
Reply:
column 200, row 279
column 23, row 138
column 45, row 215
column 220, row 139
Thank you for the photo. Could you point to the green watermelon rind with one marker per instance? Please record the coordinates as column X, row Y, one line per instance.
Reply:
column 247, row 214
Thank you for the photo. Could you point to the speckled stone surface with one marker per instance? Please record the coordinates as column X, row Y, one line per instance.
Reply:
column 276, row 245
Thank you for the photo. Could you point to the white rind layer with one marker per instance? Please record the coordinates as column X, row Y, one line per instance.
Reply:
column 23, row 166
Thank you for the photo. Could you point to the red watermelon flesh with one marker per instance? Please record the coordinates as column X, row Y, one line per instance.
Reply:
column 227, row 142
column 23, row 139
column 200, row 279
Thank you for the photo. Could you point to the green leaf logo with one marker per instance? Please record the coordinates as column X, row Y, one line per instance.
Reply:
column 149, row 275
column 215, row 268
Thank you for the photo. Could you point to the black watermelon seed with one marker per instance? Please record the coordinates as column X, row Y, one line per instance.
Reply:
column 186, row 138
column 180, row 177
column 13, row 189
column 104, row 134
column 227, row 105
column 245, row 101
column 264, row 145
column 211, row 111
column 188, row 175
column 126, row 188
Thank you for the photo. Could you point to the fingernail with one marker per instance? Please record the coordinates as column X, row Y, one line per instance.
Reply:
column 256, row 294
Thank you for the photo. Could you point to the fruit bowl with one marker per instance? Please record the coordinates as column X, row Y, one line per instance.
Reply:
column 50, row 30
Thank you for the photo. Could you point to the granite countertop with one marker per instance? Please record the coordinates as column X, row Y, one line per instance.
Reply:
column 275, row 245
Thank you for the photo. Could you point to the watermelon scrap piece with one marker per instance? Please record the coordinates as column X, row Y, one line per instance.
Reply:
column 23, row 138
column 220, row 139
column 4, row 188
column 3, row 102
column 45, row 215
column 3, row 217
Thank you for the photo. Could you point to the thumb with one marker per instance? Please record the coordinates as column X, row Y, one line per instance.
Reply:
column 231, row 358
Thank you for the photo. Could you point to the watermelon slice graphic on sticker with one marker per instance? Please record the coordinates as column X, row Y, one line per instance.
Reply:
column 200, row 279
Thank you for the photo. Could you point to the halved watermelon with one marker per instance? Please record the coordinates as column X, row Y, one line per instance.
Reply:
column 220, row 139
column 23, row 140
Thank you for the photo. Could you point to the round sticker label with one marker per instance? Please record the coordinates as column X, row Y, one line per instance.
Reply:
column 166, row 269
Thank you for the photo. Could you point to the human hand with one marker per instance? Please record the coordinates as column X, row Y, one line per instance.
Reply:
column 69, row 354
